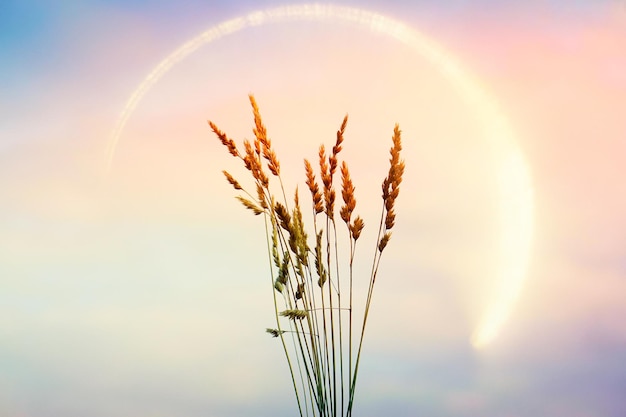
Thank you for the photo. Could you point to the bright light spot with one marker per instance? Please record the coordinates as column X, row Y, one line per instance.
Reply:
column 516, row 225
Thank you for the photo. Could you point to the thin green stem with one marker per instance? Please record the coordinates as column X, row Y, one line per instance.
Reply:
column 332, row 321
column 352, row 252
column 282, row 339
column 373, row 273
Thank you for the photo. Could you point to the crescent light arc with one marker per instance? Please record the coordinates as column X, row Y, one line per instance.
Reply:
column 514, row 182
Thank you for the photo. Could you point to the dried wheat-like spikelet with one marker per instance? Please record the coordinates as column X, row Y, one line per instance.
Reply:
column 279, row 286
column 232, row 181
column 259, row 128
column 226, row 141
column 300, row 235
column 260, row 192
column 391, row 186
column 283, row 216
column 300, row 291
column 274, row 332
column 390, row 219
column 318, row 206
column 250, row 205
column 257, row 147
column 319, row 262
column 249, row 159
column 264, row 146
column 347, row 192
column 327, row 181
column 383, row 241
column 332, row 159
column 324, row 170
column 357, row 227
column 283, row 273
column 272, row 164
column 253, row 164
column 294, row 314
column 275, row 256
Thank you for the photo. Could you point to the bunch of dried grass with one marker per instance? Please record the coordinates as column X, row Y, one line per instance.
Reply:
column 306, row 281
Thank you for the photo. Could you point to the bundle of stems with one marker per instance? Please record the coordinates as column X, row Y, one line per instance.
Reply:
column 321, row 338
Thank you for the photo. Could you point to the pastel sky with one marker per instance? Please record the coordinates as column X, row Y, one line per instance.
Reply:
column 145, row 292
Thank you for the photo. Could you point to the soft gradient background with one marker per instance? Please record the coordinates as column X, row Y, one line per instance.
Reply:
column 145, row 293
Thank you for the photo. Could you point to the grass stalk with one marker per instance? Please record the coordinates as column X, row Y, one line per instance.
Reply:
column 309, row 282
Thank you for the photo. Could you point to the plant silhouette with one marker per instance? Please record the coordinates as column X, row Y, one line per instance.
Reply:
column 313, row 302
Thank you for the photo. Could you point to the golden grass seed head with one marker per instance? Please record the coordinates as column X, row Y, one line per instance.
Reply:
column 318, row 206
column 265, row 181
column 383, row 241
column 357, row 227
column 332, row 162
column 319, row 263
column 260, row 192
column 259, row 128
column 391, row 184
column 344, row 123
column 249, row 160
column 226, row 141
column 324, row 173
column 329, row 193
column 250, row 205
column 253, row 164
column 272, row 161
column 283, row 216
column 296, row 198
column 232, row 181
column 263, row 144
column 257, row 147
column 345, row 214
column 330, row 203
column 390, row 219
column 337, row 148
column 347, row 192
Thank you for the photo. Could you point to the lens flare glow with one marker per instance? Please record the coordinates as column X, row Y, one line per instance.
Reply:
column 515, row 188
